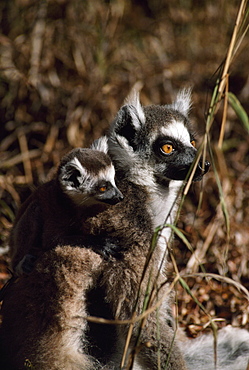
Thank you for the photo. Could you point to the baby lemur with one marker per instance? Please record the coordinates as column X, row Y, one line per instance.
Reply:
column 56, row 212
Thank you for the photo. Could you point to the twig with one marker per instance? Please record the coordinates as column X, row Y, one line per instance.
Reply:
column 20, row 158
column 36, row 43
column 26, row 159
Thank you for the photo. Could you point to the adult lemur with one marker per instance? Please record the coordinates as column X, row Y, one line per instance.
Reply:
column 152, row 151
column 56, row 212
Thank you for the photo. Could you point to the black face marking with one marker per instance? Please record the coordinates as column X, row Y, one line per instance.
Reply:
column 174, row 160
column 105, row 192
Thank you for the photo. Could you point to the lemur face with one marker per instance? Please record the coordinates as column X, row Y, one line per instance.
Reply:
column 173, row 148
column 156, row 139
column 86, row 176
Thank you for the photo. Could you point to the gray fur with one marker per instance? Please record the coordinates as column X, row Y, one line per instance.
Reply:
column 232, row 351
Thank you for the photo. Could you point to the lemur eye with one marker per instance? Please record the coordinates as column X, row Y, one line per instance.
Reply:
column 102, row 189
column 193, row 143
column 167, row 148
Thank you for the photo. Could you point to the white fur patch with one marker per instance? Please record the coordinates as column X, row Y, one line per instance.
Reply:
column 164, row 205
column 89, row 181
column 177, row 130
column 133, row 100
column 232, row 350
column 183, row 102
column 101, row 144
column 107, row 174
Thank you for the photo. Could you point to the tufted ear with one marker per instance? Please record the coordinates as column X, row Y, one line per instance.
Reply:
column 100, row 144
column 183, row 101
column 124, row 131
column 129, row 119
column 72, row 174
column 133, row 99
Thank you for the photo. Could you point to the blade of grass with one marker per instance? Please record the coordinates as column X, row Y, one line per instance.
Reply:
column 239, row 110
column 224, row 116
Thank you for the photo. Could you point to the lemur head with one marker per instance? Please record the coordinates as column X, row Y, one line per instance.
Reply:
column 86, row 176
column 154, row 139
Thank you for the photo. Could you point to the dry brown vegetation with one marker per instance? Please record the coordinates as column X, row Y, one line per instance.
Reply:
column 66, row 67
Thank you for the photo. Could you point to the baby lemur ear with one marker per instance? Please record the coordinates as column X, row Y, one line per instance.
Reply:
column 100, row 144
column 183, row 101
column 72, row 175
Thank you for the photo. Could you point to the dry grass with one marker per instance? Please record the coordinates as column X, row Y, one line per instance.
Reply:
column 66, row 67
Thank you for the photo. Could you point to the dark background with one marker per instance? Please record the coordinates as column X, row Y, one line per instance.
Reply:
column 66, row 67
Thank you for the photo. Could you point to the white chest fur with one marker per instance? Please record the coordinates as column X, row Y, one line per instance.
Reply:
column 164, row 205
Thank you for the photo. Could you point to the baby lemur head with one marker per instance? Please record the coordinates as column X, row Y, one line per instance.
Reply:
column 154, row 144
column 86, row 176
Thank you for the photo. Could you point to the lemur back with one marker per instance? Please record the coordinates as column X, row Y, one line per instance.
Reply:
column 56, row 212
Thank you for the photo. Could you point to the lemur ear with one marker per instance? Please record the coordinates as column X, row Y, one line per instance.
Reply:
column 124, row 131
column 183, row 101
column 133, row 99
column 100, row 144
column 130, row 118
column 72, row 174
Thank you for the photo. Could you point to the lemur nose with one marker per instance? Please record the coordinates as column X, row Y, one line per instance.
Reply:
column 206, row 166
column 200, row 171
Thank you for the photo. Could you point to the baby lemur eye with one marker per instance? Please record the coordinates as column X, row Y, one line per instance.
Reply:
column 102, row 189
column 167, row 148
column 193, row 143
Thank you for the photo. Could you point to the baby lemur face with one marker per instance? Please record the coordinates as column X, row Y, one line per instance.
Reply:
column 155, row 140
column 87, row 176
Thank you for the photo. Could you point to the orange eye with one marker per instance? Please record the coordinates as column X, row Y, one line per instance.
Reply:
column 193, row 143
column 102, row 189
column 167, row 148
